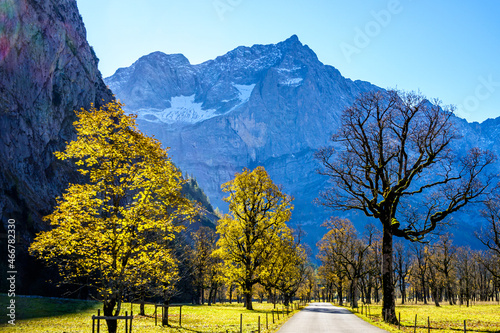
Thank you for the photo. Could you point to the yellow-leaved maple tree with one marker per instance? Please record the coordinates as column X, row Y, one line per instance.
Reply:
column 257, row 221
column 286, row 270
column 112, row 232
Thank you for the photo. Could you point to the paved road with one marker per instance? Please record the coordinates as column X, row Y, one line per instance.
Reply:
column 326, row 318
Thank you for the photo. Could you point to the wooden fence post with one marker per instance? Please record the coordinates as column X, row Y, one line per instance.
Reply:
column 241, row 322
column 267, row 322
column 259, row 325
column 399, row 321
column 428, row 325
column 131, row 318
column 465, row 326
column 128, row 321
column 166, row 315
column 415, row 327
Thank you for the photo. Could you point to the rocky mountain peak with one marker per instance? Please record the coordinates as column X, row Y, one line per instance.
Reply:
column 168, row 89
column 294, row 48
column 292, row 40
column 270, row 105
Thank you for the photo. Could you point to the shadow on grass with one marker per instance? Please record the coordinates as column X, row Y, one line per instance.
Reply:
column 40, row 307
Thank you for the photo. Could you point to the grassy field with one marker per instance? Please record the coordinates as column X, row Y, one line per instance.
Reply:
column 481, row 317
column 56, row 315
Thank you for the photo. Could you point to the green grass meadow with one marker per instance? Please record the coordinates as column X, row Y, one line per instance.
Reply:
column 56, row 315
column 47, row 315
column 480, row 317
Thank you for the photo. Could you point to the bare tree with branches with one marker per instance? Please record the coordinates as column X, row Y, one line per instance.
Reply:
column 490, row 234
column 402, row 268
column 392, row 149
column 342, row 245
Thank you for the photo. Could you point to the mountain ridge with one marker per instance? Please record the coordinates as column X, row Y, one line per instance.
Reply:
column 292, row 105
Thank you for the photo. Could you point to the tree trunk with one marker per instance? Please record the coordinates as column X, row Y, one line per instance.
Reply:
column 403, row 292
column 339, row 294
column 286, row 299
column 141, row 308
column 248, row 300
column 212, row 294
column 435, row 295
column 269, row 297
column 388, row 302
column 401, row 286
column 424, row 290
column 369, row 291
column 108, row 307
column 363, row 291
column 164, row 320
column 354, row 293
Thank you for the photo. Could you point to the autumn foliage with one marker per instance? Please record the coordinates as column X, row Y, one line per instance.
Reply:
column 254, row 235
column 112, row 231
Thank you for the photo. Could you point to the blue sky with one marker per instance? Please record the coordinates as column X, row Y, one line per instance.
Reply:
column 446, row 49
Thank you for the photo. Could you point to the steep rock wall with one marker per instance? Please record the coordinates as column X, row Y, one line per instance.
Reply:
column 47, row 70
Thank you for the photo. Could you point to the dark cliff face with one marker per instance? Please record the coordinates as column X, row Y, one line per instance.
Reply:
column 47, row 70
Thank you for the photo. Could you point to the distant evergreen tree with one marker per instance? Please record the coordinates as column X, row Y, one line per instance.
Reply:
column 192, row 190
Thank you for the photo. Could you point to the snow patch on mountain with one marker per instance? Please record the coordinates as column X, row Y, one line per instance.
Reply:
column 183, row 109
column 295, row 82
column 289, row 76
column 288, row 70
column 245, row 91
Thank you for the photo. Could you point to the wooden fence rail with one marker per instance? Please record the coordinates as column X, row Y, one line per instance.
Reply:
column 164, row 313
column 365, row 310
column 98, row 318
